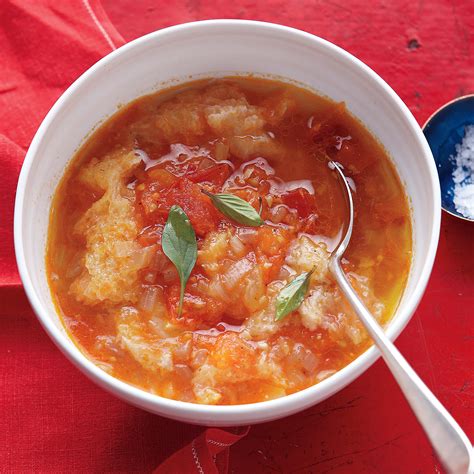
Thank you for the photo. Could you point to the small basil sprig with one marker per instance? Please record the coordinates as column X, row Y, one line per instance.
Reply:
column 292, row 295
column 235, row 208
column 179, row 245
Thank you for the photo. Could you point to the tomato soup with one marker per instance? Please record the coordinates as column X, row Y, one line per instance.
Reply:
column 222, row 340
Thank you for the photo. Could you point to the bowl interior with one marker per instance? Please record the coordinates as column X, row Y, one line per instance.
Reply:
column 444, row 130
column 220, row 48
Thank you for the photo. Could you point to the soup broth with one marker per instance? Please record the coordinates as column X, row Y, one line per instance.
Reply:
column 268, row 143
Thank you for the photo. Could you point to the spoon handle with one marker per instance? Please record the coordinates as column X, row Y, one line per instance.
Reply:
column 447, row 438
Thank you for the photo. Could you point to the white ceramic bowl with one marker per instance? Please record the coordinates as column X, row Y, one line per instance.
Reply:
column 217, row 48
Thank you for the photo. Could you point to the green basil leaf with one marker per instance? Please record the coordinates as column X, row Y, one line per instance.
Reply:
column 179, row 245
column 235, row 208
column 292, row 295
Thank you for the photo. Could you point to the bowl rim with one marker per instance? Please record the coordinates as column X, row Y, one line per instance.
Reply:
column 427, row 122
column 259, row 411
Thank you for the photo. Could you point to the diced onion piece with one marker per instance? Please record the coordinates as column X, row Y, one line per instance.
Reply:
column 285, row 272
column 205, row 163
column 247, row 236
column 170, row 274
column 150, row 277
column 221, row 151
column 309, row 362
column 302, row 358
column 324, row 374
column 82, row 283
column 148, row 298
column 237, row 246
column 61, row 256
column 168, row 390
column 159, row 262
column 75, row 267
column 200, row 357
column 278, row 213
column 248, row 172
column 254, row 294
column 216, row 289
column 183, row 351
column 183, row 372
column 142, row 257
column 236, row 272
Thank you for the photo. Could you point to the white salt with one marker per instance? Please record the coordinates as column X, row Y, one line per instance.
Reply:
column 463, row 174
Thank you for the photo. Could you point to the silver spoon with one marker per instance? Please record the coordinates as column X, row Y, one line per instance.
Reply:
column 447, row 438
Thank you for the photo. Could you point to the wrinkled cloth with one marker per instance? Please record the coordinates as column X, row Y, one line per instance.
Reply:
column 208, row 453
column 45, row 46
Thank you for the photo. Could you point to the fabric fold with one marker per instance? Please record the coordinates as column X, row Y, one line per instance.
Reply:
column 206, row 454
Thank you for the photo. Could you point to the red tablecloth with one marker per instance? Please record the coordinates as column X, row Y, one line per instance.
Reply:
column 52, row 419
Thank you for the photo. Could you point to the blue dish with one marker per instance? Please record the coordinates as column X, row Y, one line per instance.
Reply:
column 443, row 130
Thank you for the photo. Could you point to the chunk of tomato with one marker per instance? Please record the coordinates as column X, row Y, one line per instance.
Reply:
column 203, row 215
column 216, row 174
column 150, row 235
column 161, row 176
column 198, row 309
column 300, row 200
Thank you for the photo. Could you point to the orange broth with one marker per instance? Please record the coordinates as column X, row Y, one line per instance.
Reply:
column 269, row 143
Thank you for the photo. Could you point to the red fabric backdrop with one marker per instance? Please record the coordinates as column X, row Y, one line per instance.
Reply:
column 52, row 419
